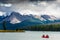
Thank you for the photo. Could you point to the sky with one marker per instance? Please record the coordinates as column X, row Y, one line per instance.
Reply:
column 25, row 7
column 5, row 9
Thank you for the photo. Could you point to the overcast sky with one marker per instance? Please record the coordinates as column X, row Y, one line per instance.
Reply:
column 49, row 7
column 43, row 7
column 16, row 1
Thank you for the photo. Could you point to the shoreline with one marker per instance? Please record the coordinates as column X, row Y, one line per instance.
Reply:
column 12, row 31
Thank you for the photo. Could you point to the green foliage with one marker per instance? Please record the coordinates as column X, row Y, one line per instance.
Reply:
column 48, row 27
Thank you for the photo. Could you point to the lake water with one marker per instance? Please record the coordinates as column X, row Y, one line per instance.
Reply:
column 29, row 35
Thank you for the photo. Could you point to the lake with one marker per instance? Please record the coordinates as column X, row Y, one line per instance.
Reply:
column 29, row 35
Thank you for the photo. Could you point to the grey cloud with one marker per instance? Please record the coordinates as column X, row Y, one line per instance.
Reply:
column 17, row 1
column 6, row 9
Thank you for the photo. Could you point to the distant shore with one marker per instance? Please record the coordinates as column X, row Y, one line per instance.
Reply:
column 12, row 31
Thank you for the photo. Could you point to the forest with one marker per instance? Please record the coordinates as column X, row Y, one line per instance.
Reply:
column 50, row 27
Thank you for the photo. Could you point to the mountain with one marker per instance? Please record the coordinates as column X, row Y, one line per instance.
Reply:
column 45, row 19
column 16, row 20
column 25, row 23
column 49, row 17
column 2, row 17
column 31, row 22
column 15, row 17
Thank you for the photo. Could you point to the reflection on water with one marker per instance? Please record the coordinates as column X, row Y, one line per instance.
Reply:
column 29, row 35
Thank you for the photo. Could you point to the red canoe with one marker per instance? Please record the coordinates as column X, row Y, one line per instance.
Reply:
column 45, row 36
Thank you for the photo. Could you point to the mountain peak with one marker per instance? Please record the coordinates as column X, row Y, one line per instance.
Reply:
column 16, row 17
column 48, row 17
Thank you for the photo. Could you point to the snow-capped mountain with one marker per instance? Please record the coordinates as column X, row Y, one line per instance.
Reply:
column 15, row 17
column 45, row 17
column 16, row 20
column 49, row 17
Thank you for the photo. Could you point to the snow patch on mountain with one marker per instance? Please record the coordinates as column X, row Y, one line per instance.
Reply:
column 15, row 20
column 49, row 17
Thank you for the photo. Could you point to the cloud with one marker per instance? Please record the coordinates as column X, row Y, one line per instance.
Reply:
column 50, row 8
column 5, row 8
column 5, row 5
column 58, row 0
column 18, row 1
column 2, row 13
column 12, row 1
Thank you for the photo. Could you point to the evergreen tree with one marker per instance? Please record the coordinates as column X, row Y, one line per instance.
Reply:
column 4, row 25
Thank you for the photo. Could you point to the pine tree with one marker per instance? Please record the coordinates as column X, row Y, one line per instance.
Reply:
column 4, row 25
